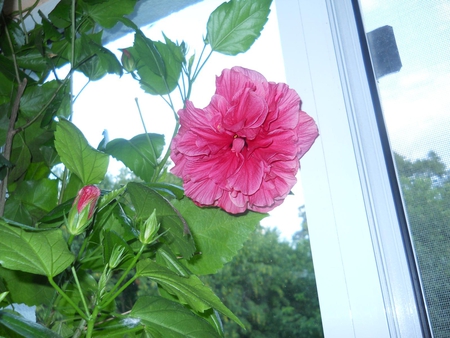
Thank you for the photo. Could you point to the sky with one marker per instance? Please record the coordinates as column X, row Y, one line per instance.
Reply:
column 416, row 100
column 113, row 107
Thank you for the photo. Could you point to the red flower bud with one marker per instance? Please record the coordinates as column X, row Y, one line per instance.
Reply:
column 82, row 209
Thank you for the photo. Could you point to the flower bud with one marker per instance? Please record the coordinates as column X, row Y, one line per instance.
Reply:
column 128, row 62
column 80, row 215
column 116, row 256
column 149, row 229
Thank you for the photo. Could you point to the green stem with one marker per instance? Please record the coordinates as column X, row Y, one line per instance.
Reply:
column 167, row 154
column 119, row 291
column 63, row 294
column 70, row 240
column 79, row 289
column 22, row 21
column 145, row 128
column 110, row 298
column 91, row 322
column 72, row 54
column 8, row 37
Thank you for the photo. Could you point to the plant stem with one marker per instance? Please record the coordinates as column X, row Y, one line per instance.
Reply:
column 79, row 289
column 91, row 321
column 22, row 22
column 110, row 298
column 9, row 141
column 63, row 294
column 118, row 292
column 145, row 128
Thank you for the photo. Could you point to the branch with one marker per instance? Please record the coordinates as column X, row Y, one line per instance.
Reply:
column 9, row 141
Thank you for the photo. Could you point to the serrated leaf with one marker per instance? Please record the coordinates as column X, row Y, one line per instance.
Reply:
column 89, row 164
column 218, row 235
column 168, row 190
column 42, row 194
column 35, row 97
column 235, row 25
column 24, row 327
column 166, row 319
column 149, row 55
column 22, row 159
column 43, row 253
column 93, row 59
column 109, row 197
column 189, row 290
column 111, row 240
column 159, row 67
column 60, row 15
column 140, row 154
column 108, row 13
column 27, row 288
column 176, row 236
column 33, row 60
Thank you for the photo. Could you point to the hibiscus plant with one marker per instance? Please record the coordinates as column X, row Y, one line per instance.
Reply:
column 68, row 249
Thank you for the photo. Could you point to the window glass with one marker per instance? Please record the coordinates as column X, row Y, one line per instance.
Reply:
column 270, row 286
column 409, row 43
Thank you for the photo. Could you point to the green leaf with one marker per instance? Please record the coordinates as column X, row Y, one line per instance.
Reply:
column 159, row 64
column 93, row 59
column 235, row 25
column 27, row 288
column 148, row 54
column 217, row 234
column 164, row 318
column 17, row 36
column 33, row 60
column 60, row 15
column 177, row 235
column 21, row 158
column 35, row 97
column 189, row 290
column 109, row 197
column 89, row 164
column 43, row 253
column 108, row 13
column 24, row 327
column 140, row 154
column 111, row 240
column 42, row 194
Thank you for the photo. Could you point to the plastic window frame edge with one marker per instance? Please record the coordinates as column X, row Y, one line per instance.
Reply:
column 364, row 281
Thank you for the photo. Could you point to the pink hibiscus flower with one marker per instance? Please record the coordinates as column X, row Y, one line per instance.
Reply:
column 242, row 151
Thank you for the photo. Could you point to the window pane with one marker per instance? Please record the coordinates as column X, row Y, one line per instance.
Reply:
column 414, row 87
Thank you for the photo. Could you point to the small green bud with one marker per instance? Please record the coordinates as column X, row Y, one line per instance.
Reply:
column 149, row 229
column 116, row 256
column 128, row 62
column 3, row 295
column 103, row 281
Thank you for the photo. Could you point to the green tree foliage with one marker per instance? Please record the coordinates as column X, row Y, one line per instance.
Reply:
column 426, row 191
column 271, row 287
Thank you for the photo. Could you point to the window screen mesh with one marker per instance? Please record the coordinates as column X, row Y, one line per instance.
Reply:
column 415, row 98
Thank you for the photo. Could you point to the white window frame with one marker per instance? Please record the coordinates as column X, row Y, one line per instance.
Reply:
column 365, row 285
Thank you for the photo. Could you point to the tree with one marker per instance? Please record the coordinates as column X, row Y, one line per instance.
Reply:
column 426, row 191
column 271, row 287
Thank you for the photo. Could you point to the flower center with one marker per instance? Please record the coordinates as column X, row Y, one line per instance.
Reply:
column 238, row 144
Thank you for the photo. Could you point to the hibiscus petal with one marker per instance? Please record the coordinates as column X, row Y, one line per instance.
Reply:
column 204, row 192
column 249, row 177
